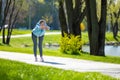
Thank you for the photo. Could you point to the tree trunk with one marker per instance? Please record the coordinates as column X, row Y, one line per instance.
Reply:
column 96, row 31
column 9, row 8
column 95, row 28
column 76, row 13
column 0, row 13
column 13, row 23
column 72, row 15
column 62, row 18
column 115, row 30
column 5, row 9
column 69, row 12
column 102, row 28
column 115, row 27
column 10, row 23
column 89, row 23
column 3, row 36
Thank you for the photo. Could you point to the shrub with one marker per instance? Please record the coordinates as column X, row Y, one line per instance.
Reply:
column 71, row 44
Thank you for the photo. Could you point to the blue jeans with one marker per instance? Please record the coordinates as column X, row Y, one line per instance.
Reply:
column 35, row 43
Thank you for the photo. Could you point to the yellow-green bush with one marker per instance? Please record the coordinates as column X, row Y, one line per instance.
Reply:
column 71, row 44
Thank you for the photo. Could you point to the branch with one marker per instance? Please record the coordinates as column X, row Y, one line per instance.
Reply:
column 10, row 19
column 118, row 13
column 7, row 7
column 81, row 17
column 15, row 19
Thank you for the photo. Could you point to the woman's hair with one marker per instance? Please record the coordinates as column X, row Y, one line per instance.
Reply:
column 41, row 21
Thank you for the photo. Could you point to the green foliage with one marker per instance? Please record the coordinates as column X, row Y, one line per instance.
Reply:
column 113, row 8
column 41, row 1
column 70, row 44
column 18, row 32
column 48, row 18
column 11, row 70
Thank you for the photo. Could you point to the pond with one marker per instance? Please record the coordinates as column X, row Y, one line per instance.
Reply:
column 109, row 50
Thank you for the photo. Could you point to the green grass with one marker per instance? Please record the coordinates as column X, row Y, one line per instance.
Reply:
column 108, row 38
column 20, row 32
column 109, row 35
column 24, row 45
column 11, row 70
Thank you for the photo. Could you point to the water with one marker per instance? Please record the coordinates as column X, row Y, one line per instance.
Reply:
column 109, row 50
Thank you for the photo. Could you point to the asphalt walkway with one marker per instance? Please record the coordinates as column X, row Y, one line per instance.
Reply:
column 66, row 63
column 29, row 35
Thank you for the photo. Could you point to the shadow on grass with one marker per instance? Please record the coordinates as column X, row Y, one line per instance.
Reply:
column 54, row 63
column 1, row 44
column 83, row 52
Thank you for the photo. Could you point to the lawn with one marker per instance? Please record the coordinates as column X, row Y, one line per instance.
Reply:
column 11, row 70
column 109, row 35
column 24, row 45
column 108, row 38
column 20, row 32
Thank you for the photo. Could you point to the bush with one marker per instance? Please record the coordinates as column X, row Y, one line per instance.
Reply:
column 71, row 44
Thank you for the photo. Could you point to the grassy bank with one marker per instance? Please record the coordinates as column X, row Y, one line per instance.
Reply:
column 10, row 70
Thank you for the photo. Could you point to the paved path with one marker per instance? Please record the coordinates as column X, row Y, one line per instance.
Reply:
column 66, row 63
column 28, row 35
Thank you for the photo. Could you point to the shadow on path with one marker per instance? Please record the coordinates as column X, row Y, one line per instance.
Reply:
column 54, row 63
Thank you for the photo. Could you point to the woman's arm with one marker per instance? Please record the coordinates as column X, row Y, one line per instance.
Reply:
column 45, row 27
column 42, row 27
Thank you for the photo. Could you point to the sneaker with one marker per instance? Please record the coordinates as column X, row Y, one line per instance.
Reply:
column 36, row 59
column 41, row 59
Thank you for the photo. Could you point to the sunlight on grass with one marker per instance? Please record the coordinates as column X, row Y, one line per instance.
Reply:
column 11, row 70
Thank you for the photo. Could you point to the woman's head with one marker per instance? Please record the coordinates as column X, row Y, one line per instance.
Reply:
column 42, row 22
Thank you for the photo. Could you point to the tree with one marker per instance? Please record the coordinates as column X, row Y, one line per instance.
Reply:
column 114, row 14
column 0, row 12
column 96, row 28
column 73, row 16
column 5, row 8
column 11, row 10
column 62, row 18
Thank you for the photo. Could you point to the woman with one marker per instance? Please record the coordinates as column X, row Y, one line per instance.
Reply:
column 38, row 34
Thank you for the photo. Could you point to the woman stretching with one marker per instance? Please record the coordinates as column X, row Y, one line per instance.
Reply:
column 38, row 34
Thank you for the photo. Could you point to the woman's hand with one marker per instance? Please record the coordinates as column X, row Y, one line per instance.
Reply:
column 44, row 27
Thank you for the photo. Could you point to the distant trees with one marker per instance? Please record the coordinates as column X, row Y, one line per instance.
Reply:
column 114, row 14
column 9, row 13
column 20, row 13
column 42, row 9
column 71, row 14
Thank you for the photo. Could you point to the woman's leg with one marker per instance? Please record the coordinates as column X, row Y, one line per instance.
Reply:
column 34, row 39
column 40, row 46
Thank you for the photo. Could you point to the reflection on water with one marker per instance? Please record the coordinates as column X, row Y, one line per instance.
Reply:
column 109, row 50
